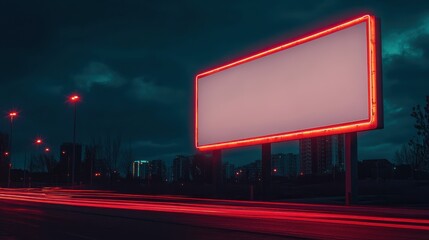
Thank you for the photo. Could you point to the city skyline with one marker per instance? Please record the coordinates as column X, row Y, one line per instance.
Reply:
column 134, row 64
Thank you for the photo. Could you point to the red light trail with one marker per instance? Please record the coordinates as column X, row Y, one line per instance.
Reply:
column 210, row 207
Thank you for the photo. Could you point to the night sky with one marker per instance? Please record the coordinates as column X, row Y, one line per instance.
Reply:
column 134, row 62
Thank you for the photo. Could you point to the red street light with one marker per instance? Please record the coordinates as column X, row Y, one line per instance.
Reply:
column 38, row 141
column 13, row 114
column 47, row 149
column 6, row 153
column 74, row 98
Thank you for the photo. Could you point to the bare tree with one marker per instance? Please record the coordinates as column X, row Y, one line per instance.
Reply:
column 127, row 159
column 419, row 145
column 50, row 163
column 94, row 159
column 37, row 164
column 110, row 153
column 107, row 153
column 116, row 150
column 405, row 155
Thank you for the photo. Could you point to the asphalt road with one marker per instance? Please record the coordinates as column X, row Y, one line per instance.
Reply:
column 76, row 214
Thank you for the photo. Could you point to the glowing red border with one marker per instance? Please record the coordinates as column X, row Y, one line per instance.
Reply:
column 373, row 108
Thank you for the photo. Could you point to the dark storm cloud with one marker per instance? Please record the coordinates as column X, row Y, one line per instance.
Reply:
column 134, row 63
column 405, row 85
column 110, row 53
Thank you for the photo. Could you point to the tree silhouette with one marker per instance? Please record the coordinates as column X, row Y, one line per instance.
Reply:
column 419, row 145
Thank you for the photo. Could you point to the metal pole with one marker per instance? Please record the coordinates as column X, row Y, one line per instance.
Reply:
column 31, row 172
column 74, row 146
column 266, row 169
column 10, row 151
column 216, row 171
column 68, row 170
column 25, row 168
column 8, row 174
column 91, row 171
column 351, row 167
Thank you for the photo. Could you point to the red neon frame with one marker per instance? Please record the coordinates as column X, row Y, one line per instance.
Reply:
column 374, row 83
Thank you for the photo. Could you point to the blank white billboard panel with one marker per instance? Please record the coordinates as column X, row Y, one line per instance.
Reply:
column 319, row 85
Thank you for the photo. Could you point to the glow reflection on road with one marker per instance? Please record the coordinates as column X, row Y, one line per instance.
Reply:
column 211, row 207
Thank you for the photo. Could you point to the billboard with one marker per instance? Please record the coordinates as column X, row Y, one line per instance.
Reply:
column 322, row 84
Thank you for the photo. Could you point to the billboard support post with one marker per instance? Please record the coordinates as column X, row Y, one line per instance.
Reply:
column 266, row 169
column 216, row 171
column 263, row 79
column 351, row 167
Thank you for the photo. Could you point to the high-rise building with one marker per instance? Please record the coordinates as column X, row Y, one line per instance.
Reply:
column 4, row 156
column 4, row 143
column 141, row 169
column 249, row 173
column 93, row 167
column 66, row 159
column 228, row 171
column 292, row 165
column 181, row 168
column 306, row 149
column 321, row 155
column 285, row 165
column 202, row 168
column 157, row 171
column 324, row 155
column 338, row 154
column 278, row 164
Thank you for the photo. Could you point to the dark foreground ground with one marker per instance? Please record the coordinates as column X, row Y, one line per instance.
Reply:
column 80, row 214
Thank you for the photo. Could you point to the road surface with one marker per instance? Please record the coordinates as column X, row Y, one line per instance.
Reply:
column 87, row 214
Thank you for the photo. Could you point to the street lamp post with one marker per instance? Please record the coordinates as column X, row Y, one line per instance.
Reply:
column 12, row 115
column 74, row 99
column 38, row 142
column 25, row 169
column 9, row 165
column 68, row 167
column 48, row 164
